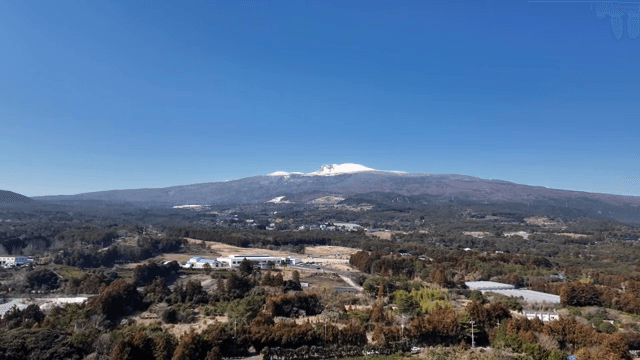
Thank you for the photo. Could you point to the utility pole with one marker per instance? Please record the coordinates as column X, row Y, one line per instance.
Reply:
column 403, row 323
column 235, row 329
column 325, row 332
column 473, row 342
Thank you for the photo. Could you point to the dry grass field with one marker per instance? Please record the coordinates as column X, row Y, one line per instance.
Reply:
column 329, row 252
column 385, row 235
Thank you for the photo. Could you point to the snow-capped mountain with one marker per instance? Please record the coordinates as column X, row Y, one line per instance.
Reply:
column 329, row 170
column 358, row 184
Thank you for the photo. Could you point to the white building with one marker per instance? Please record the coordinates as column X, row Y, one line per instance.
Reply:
column 199, row 263
column 262, row 260
column 544, row 316
column 8, row 261
column 347, row 226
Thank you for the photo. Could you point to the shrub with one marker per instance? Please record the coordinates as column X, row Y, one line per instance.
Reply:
column 606, row 327
column 476, row 295
column 293, row 305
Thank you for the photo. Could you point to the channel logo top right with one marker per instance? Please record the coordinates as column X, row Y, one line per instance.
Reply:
column 616, row 12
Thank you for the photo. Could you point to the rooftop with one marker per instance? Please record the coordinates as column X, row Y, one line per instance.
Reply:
column 488, row 285
column 249, row 256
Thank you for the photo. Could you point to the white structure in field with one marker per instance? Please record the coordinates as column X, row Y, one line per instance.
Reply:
column 488, row 285
column 8, row 261
column 509, row 290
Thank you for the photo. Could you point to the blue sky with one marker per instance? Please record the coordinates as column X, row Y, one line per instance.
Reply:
column 132, row 94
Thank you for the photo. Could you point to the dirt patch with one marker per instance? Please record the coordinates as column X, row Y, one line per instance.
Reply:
column 541, row 221
column 573, row 235
column 226, row 250
column 337, row 252
column 201, row 323
column 318, row 280
column 384, row 235
column 523, row 234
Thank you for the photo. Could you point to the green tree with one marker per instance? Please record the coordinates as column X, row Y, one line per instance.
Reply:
column 246, row 267
column 406, row 303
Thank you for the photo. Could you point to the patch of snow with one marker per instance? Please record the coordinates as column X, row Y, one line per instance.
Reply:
column 190, row 206
column 278, row 200
column 337, row 169
column 284, row 173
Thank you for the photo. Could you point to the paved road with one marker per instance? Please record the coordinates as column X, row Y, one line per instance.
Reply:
column 350, row 282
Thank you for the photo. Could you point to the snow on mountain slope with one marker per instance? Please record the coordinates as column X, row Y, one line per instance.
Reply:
column 278, row 200
column 336, row 169
column 329, row 170
column 284, row 173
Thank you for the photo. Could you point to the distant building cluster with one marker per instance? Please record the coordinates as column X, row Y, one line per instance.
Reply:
column 13, row 261
column 332, row 227
column 263, row 261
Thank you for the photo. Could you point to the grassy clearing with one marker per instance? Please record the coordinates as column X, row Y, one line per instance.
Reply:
column 68, row 272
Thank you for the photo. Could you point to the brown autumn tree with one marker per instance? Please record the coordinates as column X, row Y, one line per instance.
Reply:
column 438, row 276
column 191, row 346
column 580, row 294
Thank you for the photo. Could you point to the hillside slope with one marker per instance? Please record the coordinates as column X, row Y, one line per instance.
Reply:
column 9, row 197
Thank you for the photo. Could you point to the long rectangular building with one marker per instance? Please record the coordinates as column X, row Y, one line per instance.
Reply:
column 7, row 261
column 260, row 259
column 235, row 260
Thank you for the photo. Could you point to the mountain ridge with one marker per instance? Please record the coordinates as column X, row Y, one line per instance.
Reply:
column 424, row 189
column 10, row 197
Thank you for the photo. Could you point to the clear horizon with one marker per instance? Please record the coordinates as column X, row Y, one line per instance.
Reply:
column 129, row 94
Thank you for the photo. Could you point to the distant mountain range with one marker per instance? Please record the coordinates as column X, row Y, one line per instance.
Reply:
column 9, row 197
column 356, row 182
